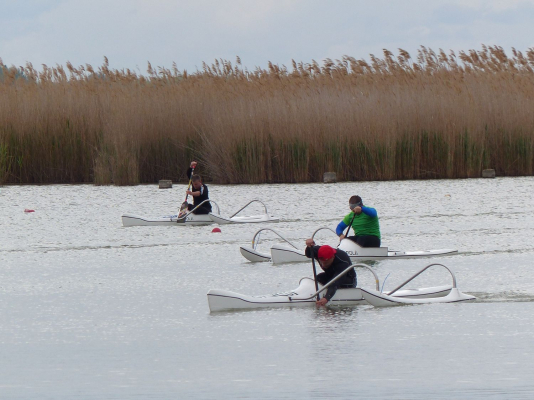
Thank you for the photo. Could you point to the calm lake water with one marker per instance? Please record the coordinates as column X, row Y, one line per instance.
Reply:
column 92, row 310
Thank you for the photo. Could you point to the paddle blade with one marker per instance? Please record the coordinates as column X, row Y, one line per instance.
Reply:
column 184, row 206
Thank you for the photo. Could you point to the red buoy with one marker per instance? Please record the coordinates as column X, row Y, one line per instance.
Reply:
column 215, row 230
column 27, row 210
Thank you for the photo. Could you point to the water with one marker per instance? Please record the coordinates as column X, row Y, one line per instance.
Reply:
column 92, row 310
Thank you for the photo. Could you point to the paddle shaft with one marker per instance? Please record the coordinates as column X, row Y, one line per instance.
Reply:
column 315, row 273
column 189, row 185
column 351, row 221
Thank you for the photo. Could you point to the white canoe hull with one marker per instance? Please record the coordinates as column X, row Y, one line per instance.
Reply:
column 170, row 220
column 224, row 300
column 253, row 255
column 378, row 299
column 281, row 253
column 253, row 219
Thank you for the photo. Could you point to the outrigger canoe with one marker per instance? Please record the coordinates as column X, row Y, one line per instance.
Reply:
column 306, row 295
column 287, row 253
column 191, row 219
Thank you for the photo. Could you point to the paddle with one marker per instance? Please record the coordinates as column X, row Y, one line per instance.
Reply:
column 351, row 221
column 315, row 273
column 184, row 204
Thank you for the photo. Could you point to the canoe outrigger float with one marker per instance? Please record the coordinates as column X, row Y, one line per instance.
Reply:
column 234, row 219
column 199, row 219
column 378, row 299
column 306, row 295
column 287, row 253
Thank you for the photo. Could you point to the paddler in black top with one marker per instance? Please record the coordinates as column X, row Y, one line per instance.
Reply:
column 199, row 191
column 333, row 262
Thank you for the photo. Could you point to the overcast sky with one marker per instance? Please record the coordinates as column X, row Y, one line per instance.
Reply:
column 132, row 32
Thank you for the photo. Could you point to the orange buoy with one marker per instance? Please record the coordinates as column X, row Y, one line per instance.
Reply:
column 215, row 230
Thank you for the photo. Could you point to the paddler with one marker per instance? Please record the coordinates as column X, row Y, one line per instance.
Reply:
column 333, row 262
column 199, row 192
column 364, row 222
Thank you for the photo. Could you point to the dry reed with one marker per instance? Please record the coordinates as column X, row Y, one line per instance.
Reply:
column 441, row 115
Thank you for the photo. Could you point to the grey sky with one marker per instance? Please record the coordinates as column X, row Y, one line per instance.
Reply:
column 132, row 32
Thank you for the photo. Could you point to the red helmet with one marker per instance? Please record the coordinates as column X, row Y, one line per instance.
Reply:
column 326, row 252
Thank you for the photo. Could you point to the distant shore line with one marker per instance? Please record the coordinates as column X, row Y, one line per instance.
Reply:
column 439, row 116
column 184, row 183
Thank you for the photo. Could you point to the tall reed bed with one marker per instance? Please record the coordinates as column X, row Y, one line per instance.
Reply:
column 440, row 115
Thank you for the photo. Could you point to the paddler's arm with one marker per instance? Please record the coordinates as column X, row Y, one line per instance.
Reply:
column 343, row 225
column 311, row 247
column 370, row 211
column 340, row 229
column 331, row 291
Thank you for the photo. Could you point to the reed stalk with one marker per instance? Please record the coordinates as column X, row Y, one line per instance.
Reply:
column 440, row 115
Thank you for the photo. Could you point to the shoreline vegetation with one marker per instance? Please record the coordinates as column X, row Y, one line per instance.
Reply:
column 439, row 115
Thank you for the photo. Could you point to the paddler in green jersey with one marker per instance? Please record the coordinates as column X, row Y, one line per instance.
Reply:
column 364, row 222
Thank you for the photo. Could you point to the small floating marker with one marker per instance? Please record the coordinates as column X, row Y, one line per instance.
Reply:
column 329, row 177
column 28, row 210
column 165, row 184
column 488, row 173
column 215, row 230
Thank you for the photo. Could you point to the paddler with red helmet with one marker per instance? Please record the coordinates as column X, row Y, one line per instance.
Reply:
column 333, row 262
